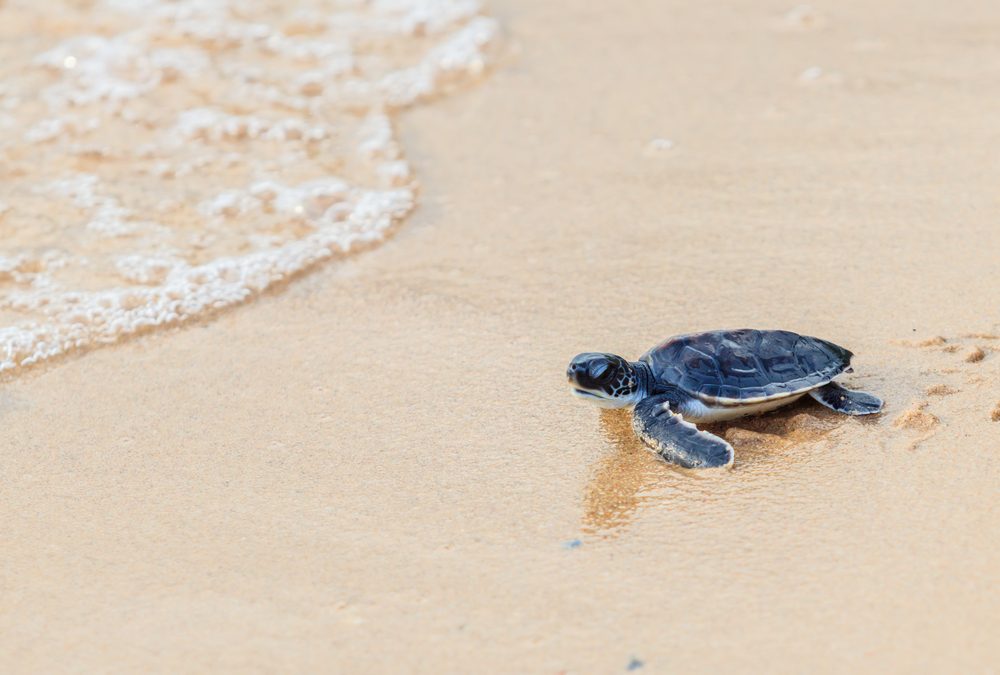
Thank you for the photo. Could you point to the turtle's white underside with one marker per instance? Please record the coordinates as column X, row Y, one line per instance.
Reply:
column 696, row 410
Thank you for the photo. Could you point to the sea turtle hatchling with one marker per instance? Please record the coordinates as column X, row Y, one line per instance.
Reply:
column 712, row 377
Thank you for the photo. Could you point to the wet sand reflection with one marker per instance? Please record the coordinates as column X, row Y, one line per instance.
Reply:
column 630, row 477
column 621, row 478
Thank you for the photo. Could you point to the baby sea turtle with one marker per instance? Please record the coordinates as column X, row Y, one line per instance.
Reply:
column 711, row 377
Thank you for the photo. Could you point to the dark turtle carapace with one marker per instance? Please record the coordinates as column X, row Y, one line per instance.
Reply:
column 712, row 377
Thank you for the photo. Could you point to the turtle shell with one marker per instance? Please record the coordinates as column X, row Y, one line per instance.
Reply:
column 734, row 367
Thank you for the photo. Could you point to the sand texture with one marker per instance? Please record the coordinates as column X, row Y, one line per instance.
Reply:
column 379, row 468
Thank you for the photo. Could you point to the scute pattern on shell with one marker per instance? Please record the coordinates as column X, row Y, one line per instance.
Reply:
column 733, row 367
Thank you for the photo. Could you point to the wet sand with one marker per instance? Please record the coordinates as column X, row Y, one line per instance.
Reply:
column 380, row 468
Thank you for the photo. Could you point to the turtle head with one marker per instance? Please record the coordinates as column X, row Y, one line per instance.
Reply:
column 605, row 379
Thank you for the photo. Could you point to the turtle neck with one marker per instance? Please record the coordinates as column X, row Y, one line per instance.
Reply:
column 644, row 380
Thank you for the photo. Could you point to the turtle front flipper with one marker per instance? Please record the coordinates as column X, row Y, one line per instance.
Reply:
column 845, row 401
column 669, row 436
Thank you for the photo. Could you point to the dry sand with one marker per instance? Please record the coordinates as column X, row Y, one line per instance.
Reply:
column 379, row 468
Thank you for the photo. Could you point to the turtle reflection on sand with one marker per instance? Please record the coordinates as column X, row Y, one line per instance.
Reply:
column 713, row 377
column 629, row 479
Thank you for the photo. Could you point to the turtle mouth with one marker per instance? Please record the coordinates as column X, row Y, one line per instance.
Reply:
column 582, row 393
column 600, row 401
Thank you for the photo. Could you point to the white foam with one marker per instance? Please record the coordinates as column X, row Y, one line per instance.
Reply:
column 226, row 147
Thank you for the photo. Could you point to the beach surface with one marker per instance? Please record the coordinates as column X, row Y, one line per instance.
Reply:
column 378, row 467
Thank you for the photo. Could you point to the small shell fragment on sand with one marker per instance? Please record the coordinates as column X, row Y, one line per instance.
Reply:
column 659, row 146
column 995, row 415
column 815, row 75
column 802, row 18
column 811, row 74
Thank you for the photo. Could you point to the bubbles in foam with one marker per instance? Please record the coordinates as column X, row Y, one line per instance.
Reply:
column 164, row 159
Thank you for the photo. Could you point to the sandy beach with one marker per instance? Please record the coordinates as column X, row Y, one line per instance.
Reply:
column 378, row 466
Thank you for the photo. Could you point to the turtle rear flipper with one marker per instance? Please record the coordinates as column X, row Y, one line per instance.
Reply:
column 845, row 401
column 669, row 436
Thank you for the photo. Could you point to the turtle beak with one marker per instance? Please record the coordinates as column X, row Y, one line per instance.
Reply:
column 574, row 371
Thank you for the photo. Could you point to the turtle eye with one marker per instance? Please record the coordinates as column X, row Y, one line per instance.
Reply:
column 599, row 369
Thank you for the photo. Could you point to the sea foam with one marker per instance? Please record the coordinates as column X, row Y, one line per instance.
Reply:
column 164, row 159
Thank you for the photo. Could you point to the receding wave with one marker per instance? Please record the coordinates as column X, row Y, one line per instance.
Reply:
column 161, row 160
